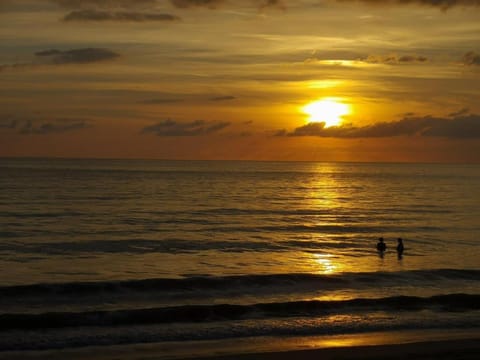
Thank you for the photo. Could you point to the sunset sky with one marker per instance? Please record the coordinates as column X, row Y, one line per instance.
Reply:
column 324, row 80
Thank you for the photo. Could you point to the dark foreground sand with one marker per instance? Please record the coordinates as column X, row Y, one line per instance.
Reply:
column 439, row 347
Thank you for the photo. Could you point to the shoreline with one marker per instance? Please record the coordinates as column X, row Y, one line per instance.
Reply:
column 467, row 349
column 425, row 344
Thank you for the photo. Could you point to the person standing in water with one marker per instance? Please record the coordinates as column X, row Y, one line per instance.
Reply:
column 400, row 248
column 381, row 246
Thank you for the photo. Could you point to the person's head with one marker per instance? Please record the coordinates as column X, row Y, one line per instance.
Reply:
column 399, row 240
column 380, row 239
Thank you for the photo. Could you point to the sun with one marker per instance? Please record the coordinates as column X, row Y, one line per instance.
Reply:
column 329, row 111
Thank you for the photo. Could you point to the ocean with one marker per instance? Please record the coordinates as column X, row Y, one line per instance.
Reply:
column 118, row 252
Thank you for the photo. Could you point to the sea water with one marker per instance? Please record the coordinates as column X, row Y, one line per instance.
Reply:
column 107, row 252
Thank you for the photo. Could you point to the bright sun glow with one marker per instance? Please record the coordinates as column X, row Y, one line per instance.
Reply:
column 329, row 111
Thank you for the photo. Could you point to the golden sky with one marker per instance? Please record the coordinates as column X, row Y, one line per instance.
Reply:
column 324, row 80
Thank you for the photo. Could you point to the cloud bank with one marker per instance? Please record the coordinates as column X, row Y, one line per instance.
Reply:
column 442, row 4
column 77, row 56
column 460, row 126
column 102, row 15
column 63, row 57
column 26, row 127
column 193, row 128
column 272, row 3
column 394, row 59
column 104, row 4
column 114, row 11
column 183, row 4
column 214, row 4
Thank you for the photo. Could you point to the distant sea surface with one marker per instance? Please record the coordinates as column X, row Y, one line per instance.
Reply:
column 106, row 252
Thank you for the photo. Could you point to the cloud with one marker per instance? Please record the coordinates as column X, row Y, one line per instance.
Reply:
column 394, row 59
column 112, row 10
column 223, row 98
column 442, row 4
column 272, row 3
column 471, row 58
column 104, row 4
column 61, row 57
column 461, row 125
column 183, row 4
column 214, row 4
column 28, row 126
column 161, row 101
column 78, row 56
column 102, row 15
column 55, row 127
column 193, row 128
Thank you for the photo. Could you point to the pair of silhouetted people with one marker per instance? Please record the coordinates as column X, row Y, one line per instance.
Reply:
column 382, row 247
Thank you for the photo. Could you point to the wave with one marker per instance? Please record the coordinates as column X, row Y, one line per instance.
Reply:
column 258, row 241
column 208, row 216
column 26, row 215
column 223, row 312
column 172, row 246
column 241, row 283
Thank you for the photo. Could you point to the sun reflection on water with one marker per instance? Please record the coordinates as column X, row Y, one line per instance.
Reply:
column 327, row 265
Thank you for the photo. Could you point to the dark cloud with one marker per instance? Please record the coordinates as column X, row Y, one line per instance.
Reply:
column 212, row 4
column 102, row 15
column 471, row 58
column 60, row 57
column 113, row 10
column 394, row 59
column 272, row 4
column 104, row 4
column 442, row 4
column 78, row 56
column 54, row 127
column 27, row 126
column 223, row 98
column 193, row 128
column 459, row 126
column 411, row 58
column 48, row 52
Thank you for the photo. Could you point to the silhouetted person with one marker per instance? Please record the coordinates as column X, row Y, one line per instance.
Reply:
column 381, row 246
column 400, row 248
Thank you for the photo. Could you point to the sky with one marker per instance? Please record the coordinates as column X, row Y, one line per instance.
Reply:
column 307, row 80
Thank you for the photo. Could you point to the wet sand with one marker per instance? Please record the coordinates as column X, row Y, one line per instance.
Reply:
column 438, row 345
column 454, row 349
